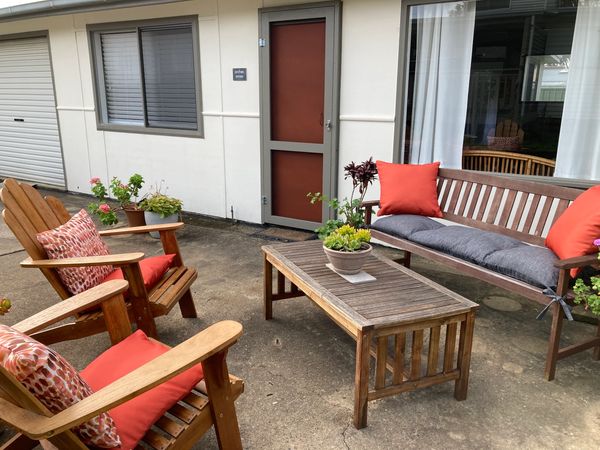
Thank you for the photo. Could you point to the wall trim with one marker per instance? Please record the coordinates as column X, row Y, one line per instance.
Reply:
column 358, row 118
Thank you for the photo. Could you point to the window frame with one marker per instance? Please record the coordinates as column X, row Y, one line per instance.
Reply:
column 97, row 67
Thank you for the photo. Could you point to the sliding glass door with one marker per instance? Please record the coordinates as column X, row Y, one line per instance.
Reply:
column 507, row 86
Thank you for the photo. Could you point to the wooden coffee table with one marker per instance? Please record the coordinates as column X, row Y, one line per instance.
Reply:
column 401, row 307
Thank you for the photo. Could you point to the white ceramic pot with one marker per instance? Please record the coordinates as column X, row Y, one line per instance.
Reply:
column 348, row 263
column 155, row 219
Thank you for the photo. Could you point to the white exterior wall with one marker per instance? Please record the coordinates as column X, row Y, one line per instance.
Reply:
column 221, row 170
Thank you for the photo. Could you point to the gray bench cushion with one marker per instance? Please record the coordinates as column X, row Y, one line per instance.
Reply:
column 508, row 256
column 470, row 244
column 404, row 225
column 528, row 263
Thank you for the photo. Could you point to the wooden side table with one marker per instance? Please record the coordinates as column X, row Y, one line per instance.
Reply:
column 390, row 319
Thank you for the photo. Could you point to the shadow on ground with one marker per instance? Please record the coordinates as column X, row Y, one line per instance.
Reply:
column 299, row 367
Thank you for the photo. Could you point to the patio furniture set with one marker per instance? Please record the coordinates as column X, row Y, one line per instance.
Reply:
column 418, row 332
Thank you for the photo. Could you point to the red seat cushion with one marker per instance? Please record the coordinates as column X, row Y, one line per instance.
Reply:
column 574, row 232
column 135, row 417
column 153, row 268
column 408, row 189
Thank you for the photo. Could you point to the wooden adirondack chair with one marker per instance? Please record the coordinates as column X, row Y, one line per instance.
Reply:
column 27, row 213
column 211, row 402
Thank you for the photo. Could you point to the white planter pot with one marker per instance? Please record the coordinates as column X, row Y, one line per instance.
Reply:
column 348, row 263
column 155, row 219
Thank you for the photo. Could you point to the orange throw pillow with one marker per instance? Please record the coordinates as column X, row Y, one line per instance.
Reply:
column 574, row 232
column 135, row 417
column 408, row 189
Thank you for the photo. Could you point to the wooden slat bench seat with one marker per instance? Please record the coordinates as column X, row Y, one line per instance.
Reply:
column 524, row 210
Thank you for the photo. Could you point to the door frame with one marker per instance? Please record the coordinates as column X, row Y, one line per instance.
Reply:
column 332, row 98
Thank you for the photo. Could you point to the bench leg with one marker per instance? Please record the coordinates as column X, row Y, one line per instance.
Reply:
column 361, row 379
column 554, row 342
column 405, row 260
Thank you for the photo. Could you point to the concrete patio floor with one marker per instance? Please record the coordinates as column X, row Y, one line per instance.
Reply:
column 299, row 368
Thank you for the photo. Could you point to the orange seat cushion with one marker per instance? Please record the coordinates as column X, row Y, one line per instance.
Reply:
column 153, row 268
column 135, row 417
column 574, row 232
column 408, row 189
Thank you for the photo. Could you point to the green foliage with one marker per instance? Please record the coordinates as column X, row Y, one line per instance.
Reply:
column 347, row 239
column 105, row 213
column 161, row 204
column 5, row 306
column 589, row 295
column 122, row 192
column 348, row 211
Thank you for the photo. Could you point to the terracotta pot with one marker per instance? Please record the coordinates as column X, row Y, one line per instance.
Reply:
column 135, row 217
column 348, row 263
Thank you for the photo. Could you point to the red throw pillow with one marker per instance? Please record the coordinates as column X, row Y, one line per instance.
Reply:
column 153, row 268
column 408, row 189
column 76, row 238
column 574, row 232
column 135, row 417
column 54, row 382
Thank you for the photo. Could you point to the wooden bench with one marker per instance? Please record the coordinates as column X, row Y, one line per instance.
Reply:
column 523, row 210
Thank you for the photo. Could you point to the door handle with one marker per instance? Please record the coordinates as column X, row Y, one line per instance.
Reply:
column 328, row 125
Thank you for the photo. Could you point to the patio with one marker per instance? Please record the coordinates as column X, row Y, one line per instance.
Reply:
column 299, row 368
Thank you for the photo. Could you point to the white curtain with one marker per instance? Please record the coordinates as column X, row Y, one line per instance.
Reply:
column 579, row 142
column 441, row 86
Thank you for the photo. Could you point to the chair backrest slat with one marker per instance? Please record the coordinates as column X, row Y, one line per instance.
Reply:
column 41, row 207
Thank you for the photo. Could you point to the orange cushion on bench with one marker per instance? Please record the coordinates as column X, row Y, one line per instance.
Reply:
column 408, row 189
column 135, row 417
column 574, row 232
column 153, row 268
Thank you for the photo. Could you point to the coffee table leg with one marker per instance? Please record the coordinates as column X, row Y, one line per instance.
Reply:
column 464, row 357
column 268, row 289
column 361, row 379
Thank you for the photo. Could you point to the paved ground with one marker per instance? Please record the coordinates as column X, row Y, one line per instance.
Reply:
column 299, row 367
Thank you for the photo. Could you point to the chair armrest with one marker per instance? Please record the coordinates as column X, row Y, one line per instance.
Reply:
column 142, row 229
column 121, row 259
column 578, row 261
column 205, row 344
column 71, row 306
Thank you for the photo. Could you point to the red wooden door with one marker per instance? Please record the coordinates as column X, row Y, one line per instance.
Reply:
column 297, row 102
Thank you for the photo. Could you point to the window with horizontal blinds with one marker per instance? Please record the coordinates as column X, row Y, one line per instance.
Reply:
column 146, row 76
column 122, row 79
column 169, row 80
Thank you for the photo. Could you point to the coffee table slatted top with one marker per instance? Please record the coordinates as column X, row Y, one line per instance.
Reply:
column 397, row 296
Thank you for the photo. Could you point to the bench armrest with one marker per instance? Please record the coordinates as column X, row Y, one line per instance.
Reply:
column 215, row 339
column 121, row 259
column 578, row 261
column 142, row 229
column 369, row 205
column 72, row 305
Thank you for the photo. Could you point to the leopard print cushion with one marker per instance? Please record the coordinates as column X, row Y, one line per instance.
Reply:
column 54, row 382
column 504, row 142
column 78, row 237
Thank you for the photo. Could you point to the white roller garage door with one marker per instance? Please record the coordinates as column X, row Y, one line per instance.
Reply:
column 29, row 142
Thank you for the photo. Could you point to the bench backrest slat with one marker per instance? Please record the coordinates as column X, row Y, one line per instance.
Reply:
column 522, row 209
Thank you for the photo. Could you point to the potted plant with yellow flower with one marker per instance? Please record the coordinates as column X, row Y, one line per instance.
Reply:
column 347, row 249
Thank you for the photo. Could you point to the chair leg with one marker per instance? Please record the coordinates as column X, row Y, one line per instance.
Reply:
column 554, row 342
column 186, row 305
column 222, row 407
